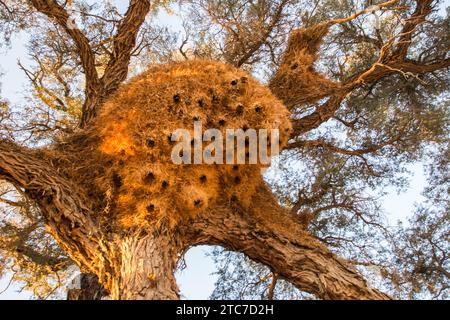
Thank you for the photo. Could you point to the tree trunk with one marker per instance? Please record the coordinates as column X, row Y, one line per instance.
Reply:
column 87, row 287
column 147, row 269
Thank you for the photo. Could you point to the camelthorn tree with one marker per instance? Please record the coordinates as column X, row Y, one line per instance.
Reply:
column 357, row 92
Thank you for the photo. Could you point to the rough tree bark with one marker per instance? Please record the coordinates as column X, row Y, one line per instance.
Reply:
column 276, row 238
column 141, row 265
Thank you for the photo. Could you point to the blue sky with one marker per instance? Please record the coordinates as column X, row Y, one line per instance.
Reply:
column 196, row 281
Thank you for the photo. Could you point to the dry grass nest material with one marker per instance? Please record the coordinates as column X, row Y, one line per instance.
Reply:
column 129, row 145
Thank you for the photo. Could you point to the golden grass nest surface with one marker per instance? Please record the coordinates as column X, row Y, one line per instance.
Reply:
column 134, row 127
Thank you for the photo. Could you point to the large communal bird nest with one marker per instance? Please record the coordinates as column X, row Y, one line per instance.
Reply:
column 129, row 144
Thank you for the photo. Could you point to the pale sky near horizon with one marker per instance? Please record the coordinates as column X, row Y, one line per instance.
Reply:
column 196, row 281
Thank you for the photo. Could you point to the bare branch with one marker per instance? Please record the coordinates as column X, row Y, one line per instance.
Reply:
column 117, row 69
column 275, row 19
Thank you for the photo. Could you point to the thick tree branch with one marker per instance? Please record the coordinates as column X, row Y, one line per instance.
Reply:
column 378, row 71
column 270, row 235
column 59, row 15
column 423, row 9
column 65, row 210
column 123, row 43
column 415, row 68
column 94, row 90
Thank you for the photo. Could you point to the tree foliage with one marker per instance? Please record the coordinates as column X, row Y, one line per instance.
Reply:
column 367, row 87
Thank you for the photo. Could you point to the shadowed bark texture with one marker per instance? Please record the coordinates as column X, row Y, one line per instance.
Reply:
column 125, row 214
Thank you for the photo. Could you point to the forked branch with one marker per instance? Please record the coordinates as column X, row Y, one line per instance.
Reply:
column 97, row 89
column 276, row 238
column 297, row 82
